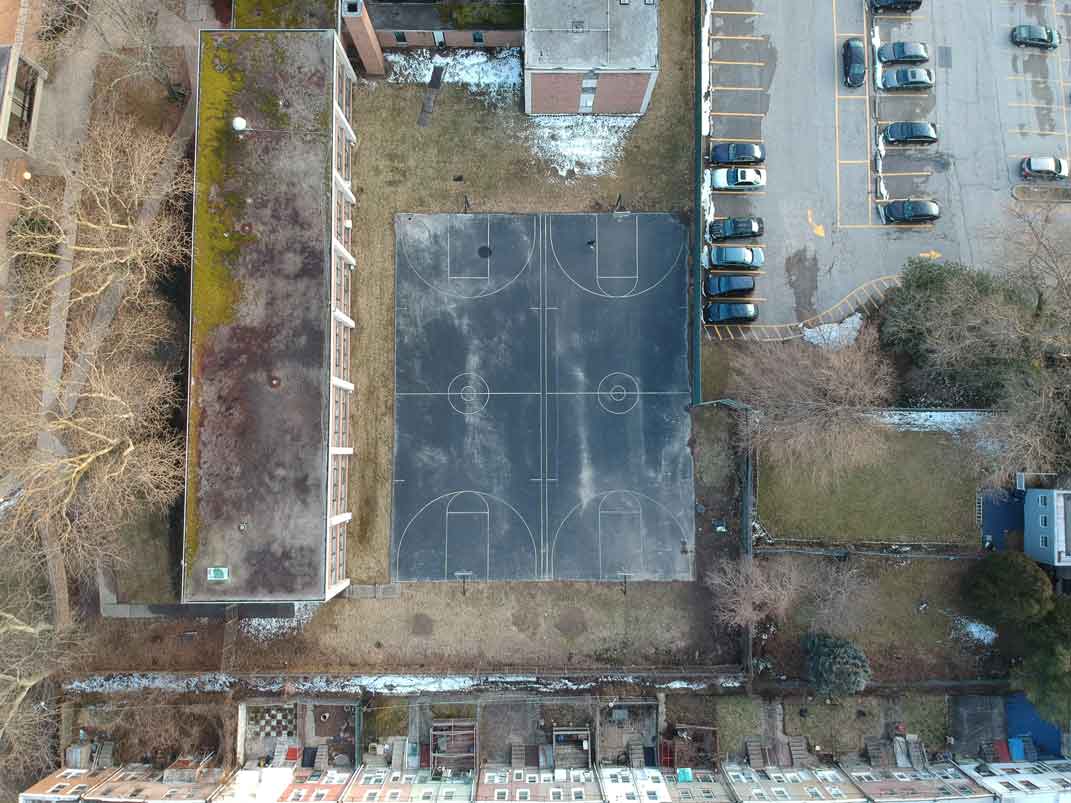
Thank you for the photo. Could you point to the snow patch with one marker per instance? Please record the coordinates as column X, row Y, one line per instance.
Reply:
column 835, row 335
column 579, row 144
column 951, row 421
column 269, row 629
column 495, row 75
column 221, row 682
column 970, row 630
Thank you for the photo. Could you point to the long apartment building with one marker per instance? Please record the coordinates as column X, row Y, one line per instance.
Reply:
column 268, row 443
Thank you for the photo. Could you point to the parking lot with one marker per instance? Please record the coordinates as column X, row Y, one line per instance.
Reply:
column 776, row 79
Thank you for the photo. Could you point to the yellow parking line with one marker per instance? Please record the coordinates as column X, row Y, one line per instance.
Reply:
column 1030, row 78
column 740, row 63
column 737, row 114
column 1036, row 132
column 737, row 193
column 738, row 13
column 836, row 112
column 738, row 89
column 900, row 17
column 740, row 38
column 866, row 87
column 851, row 97
column 850, row 35
column 733, row 139
column 920, row 173
column 853, row 161
column 1034, row 105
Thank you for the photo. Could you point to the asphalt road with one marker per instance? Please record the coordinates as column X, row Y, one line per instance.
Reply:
column 776, row 78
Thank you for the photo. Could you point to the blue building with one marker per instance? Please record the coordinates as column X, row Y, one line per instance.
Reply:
column 1045, row 526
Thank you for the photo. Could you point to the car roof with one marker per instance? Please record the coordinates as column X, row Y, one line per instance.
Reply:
column 1032, row 30
column 726, row 249
column 854, row 44
column 1043, row 161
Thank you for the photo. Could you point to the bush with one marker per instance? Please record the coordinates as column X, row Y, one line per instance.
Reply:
column 835, row 666
column 959, row 328
column 1008, row 588
column 1045, row 676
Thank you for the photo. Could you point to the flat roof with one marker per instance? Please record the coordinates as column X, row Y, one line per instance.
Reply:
column 488, row 16
column 591, row 35
column 257, row 427
column 286, row 14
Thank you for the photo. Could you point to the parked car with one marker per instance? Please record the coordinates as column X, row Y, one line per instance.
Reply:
column 738, row 178
column 716, row 312
column 907, row 78
column 878, row 6
column 1040, row 36
column 908, row 133
column 910, row 212
column 735, row 228
column 1049, row 167
column 717, row 286
column 903, row 53
column 853, row 54
column 737, row 153
column 737, row 256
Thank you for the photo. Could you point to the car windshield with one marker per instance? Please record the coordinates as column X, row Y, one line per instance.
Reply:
column 1044, row 164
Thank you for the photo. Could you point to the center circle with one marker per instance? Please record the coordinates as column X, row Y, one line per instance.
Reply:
column 618, row 392
column 468, row 393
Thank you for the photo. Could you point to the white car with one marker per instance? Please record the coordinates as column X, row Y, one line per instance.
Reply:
column 738, row 178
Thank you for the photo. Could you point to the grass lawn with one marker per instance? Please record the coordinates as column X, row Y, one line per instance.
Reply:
column 838, row 728
column 400, row 167
column 143, row 572
column 716, row 368
column 919, row 492
column 928, row 716
column 901, row 642
column 737, row 718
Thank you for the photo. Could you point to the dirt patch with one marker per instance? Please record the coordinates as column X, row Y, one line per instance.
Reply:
column 142, row 97
column 400, row 167
column 421, row 625
column 572, row 623
column 172, row 645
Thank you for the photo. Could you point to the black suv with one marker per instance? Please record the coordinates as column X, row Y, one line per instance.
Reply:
column 735, row 228
column 737, row 153
column 729, row 313
column 895, row 5
column 854, row 55
column 908, row 133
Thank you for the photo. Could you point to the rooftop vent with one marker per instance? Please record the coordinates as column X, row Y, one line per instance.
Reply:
column 238, row 124
column 218, row 574
column 579, row 26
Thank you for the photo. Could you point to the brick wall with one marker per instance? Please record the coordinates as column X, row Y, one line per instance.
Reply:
column 554, row 93
column 621, row 93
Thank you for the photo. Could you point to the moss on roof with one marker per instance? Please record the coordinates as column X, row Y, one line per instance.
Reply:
column 483, row 15
column 285, row 13
column 215, row 245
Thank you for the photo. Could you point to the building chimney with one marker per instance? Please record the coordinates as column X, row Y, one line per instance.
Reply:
column 357, row 23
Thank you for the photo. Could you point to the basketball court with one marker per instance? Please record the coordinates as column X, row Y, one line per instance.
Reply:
column 541, row 424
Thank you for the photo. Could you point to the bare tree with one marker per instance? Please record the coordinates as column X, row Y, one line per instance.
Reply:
column 114, row 175
column 32, row 649
column 127, row 29
column 1037, row 257
column 811, row 404
column 155, row 723
column 747, row 592
column 841, row 595
column 116, row 456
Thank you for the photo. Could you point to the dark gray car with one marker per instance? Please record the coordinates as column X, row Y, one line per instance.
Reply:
column 717, row 286
column 903, row 53
column 716, row 313
column 739, row 257
column 910, row 133
column 907, row 78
